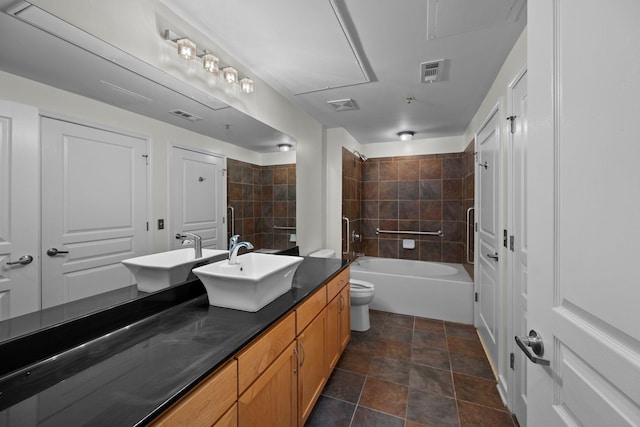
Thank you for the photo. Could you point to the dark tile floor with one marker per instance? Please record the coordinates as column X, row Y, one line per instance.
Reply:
column 410, row 372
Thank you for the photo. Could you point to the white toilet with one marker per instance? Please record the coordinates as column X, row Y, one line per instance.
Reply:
column 361, row 296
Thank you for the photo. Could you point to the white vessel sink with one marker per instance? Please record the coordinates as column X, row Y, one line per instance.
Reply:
column 251, row 284
column 158, row 271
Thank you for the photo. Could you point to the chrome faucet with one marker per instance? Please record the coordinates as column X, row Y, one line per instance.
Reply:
column 192, row 238
column 233, row 241
column 233, row 253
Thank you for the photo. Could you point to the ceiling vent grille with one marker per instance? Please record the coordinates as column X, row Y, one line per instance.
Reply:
column 431, row 71
column 185, row 115
column 344, row 104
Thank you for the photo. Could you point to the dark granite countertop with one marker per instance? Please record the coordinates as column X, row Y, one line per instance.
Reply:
column 132, row 373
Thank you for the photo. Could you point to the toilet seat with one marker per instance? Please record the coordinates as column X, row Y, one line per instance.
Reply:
column 361, row 287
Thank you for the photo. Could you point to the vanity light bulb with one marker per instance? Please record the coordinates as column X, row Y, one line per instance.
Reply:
column 211, row 63
column 247, row 85
column 186, row 49
column 230, row 74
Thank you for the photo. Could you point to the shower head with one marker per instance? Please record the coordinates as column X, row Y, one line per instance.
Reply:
column 362, row 156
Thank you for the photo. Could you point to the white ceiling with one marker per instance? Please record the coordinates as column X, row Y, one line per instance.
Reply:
column 316, row 51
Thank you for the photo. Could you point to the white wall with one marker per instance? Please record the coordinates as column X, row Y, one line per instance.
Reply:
column 515, row 62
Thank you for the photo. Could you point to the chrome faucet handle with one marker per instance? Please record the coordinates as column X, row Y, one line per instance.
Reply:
column 233, row 241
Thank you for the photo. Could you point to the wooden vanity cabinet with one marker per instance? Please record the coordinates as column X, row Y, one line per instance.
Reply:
column 211, row 403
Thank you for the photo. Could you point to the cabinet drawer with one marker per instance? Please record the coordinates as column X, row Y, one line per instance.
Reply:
column 335, row 285
column 207, row 402
column 258, row 356
column 309, row 309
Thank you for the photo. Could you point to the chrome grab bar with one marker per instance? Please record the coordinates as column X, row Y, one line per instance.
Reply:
column 283, row 228
column 347, row 235
column 233, row 220
column 438, row 233
column 472, row 208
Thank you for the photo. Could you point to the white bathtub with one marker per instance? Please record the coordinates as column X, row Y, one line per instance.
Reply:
column 419, row 288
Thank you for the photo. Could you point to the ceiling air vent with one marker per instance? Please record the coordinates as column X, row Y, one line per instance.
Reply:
column 344, row 104
column 185, row 115
column 431, row 71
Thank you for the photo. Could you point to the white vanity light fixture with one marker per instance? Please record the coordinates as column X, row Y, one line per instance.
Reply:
column 406, row 135
column 187, row 50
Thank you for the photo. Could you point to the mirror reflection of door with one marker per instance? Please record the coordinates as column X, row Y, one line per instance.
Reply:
column 19, row 198
column 198, row 197
column 94, row 209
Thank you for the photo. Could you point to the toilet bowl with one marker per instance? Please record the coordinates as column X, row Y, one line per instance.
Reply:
column 361, row 295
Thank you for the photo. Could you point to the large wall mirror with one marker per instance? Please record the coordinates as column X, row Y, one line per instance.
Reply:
column 261, row 198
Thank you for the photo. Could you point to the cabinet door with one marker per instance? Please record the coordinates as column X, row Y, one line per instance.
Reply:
column 312, row 367
column 345, row 317
column 206, row 403
column 272, row 399
column 333, row 334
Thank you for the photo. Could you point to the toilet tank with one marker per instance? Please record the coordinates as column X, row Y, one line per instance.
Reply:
column 323, row 253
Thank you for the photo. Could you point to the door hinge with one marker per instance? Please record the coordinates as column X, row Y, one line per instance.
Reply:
column 512, row 119
column 147, row 225
column 504, row 238
column 512, row 361
column 475, row 226
column 476, row 297
column 146, row 159
column 512, row 243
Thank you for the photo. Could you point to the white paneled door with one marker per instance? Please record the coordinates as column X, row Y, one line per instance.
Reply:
column 518, row 242
column 583, row 211
column 19, row 201
column 488, row 245
column 94, row 187
column 198, row 197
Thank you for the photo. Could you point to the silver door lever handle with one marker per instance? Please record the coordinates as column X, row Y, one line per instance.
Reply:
column 534, row 341
column 54, row 252
column 23, row 260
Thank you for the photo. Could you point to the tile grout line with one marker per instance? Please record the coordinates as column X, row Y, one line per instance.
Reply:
column 453, row 383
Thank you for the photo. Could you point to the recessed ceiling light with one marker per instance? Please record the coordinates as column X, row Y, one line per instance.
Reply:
column 406, row 135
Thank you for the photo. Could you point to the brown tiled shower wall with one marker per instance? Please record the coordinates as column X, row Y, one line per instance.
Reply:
column 351, row 201
column 413, row 193
column 262, row 196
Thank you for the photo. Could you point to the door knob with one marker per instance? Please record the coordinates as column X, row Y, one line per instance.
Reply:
column 534, row 341
column 54, row 252
column 493, row 256
column 23, row 260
